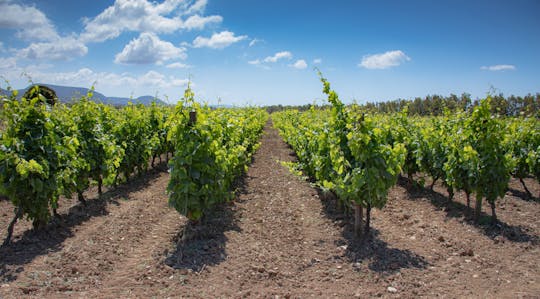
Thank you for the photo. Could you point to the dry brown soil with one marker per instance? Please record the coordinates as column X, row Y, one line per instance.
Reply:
column 279, row 238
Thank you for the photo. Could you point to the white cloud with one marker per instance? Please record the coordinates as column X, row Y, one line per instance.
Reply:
column 178, row 65
column 198, row 22
column 259, row 63
column 255, row 41
column 279, row 56
column 317, row 61
column 197, row 7
column 300, row 64
column 147, row 49
column 33, row 25
column 145, row 16
column 30, row 22
column 384, row 60
column 8, row 63
column 104, row 80
column 264, row 63
column 154, row 78
column 65, row 48
column 131, row 15
column 499, row 67
column 218, row 40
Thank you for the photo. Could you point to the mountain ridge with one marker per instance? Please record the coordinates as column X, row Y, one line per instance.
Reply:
column 69, row 94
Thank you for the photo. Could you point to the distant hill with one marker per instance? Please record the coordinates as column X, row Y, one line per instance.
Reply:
column 145, row 100
column 68, row 94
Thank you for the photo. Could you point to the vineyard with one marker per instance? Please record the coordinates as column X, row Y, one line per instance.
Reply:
column 359, row 156
column 191, row 201
column 49, row 151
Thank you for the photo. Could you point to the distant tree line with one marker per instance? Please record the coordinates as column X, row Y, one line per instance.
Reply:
column 277, row 108
column 434, row 105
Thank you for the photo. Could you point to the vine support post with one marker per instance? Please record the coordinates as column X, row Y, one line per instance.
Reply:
column 368, row 219
column 100, row 186
column 477, row 209
column 493, row 214
column 192, row 117
column 357, row 219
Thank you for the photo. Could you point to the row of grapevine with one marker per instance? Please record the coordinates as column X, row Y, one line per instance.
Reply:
column 474, row 152
column 347, row 152
column 522, row 140
column 210, row 152
column 52, row 150
column 358, row 156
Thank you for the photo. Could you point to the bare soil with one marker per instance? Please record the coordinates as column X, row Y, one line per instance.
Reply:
column 279, row 237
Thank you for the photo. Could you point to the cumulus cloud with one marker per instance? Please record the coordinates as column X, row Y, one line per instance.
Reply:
column 30, row 22
column 107, row 80
column 300, row 64
column 196, row 7
column 33, row 25
column 317, row 61
column 153, row 78
column 278, row 56
column 198, row 22
column 148, row 49
column 499, row 67
column 8, row 63
column 178, row 65
column 264, row 63
column 145, row 16
column 136, row 15
column 384, row 60
column 61, row 49
column 218, row 40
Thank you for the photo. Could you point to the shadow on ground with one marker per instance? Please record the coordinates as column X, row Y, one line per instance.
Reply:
column 382, row 258
column 31, row 244
column 455, row 209
column 523, row 195
column 203, row 243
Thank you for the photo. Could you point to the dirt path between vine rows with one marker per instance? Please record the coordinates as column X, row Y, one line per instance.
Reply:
column 279, row 238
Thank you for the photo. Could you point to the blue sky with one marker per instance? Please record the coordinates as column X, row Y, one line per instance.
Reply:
column 264, row 52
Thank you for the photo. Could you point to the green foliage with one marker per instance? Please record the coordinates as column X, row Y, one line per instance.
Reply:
column 209, row 154
column 522, row 140
column 494, row 164
column 32, row 157
column 406, row 132
column 158, row 130
column 101, row 154
column 376, row 163
column 359, row 156
column 344, row 150
column 48, row 151
column 134, row 136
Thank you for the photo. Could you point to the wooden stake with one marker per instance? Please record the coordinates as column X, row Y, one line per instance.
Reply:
column 192, row 118
column 357, row 219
